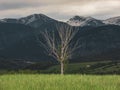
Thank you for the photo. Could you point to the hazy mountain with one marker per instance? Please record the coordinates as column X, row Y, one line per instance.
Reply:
column 34, row 20
column 19, row 39
column 99, row 43
column 114, row 21
column 89, row 21
column 84, row 21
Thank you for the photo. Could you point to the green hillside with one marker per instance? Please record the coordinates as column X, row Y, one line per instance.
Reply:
column 101, row 67
column 95, row 67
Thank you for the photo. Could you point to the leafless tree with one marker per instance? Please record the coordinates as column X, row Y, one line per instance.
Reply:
column 59, row 45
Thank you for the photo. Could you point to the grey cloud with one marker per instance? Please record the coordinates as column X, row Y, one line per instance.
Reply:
column 59, row 16
column 14, row 4
column 17, row 4
column 8, row 6
column 60, row 9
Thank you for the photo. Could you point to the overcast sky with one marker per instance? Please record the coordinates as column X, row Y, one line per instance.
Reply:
column 60, row 9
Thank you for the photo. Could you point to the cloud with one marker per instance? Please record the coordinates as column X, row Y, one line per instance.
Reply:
column 9, row 6
column 60, row 9
column 16, row 4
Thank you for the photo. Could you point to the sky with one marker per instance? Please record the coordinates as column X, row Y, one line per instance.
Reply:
column 60, row 9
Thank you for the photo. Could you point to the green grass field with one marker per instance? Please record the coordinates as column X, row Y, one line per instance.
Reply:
column 58, row 82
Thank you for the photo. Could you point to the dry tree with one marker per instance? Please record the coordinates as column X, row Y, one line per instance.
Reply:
column 60, row 44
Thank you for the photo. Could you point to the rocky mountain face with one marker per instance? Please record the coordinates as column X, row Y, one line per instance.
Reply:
column 89, row 21
column 113, row 21
column 99, row 40
column 84, row 21
column 34, row 20
column 20, row 41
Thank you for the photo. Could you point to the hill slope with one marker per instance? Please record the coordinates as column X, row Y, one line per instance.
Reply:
column 19, row 40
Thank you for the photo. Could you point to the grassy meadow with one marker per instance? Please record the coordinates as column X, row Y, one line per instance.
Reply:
column 59, row 82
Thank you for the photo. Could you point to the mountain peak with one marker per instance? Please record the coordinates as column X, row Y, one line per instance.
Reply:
column 35, row 20
column 118, row 17
column 34, row 17
column 84, row 21
column 80, row 18
column 77, row 18
column 114, row 21
column 37, row 16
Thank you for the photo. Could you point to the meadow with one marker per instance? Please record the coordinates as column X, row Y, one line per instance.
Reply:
column 59, row 82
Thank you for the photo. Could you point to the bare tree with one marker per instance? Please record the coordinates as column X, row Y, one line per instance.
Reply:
column 59, row 45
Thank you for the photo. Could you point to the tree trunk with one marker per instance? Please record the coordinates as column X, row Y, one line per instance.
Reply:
column 62, row 68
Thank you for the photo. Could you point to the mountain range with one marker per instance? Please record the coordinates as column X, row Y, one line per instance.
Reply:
column 99, row 39
column 90, row 21
column 36, row 20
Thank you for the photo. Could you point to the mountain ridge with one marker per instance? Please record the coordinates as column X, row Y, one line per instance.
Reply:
column 18, row 40
column 90, row 21
column 76, row 20
column 34, row 20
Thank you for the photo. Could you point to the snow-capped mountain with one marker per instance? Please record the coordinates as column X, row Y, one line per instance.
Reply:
column 18, row 40
column 34, row 20
column 114, row 21
column 84, row 21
